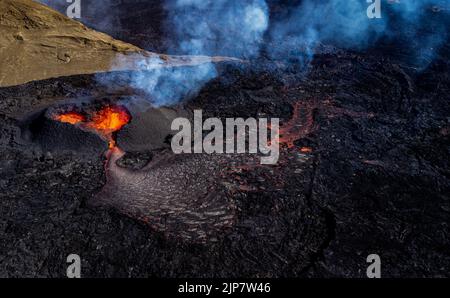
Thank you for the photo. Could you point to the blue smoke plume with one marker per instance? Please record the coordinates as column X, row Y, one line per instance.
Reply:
column 168, row 86
column 245, row 28
column 202, row 27
column 217, row 27
column 292, row 32
column 343, row 23
column 346, row 24
column 163, row 85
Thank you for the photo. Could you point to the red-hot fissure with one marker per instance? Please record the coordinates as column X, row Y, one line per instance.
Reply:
column 104, row 122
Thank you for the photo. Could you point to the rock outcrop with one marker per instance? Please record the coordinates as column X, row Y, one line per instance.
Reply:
column 37, row 43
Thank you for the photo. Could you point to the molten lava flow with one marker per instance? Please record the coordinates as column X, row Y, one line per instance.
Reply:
column 300, row 125
column 71, row 117
column 109, row 119
column 306, row 150
column 104, row 122
column 303, row 121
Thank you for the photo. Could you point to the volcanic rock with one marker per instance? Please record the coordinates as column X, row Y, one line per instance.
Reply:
column 55, row 136
column 149, row 130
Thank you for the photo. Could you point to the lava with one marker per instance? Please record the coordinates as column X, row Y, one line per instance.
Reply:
column 71, row 117
column 306, row 150
column 303, row 121
column 300, row 125
column 109, row 119
column 104, row 122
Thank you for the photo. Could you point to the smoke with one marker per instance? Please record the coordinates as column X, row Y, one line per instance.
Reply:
column 346, row 24
column 217, row 27
column 163, row 85
column 280, row 30
column 343, row 23
column 424, row 31
column 46, row 2
column 201, row 27
column 55, row 4
column 102, row 14
column 247, row 28
column 170, row 85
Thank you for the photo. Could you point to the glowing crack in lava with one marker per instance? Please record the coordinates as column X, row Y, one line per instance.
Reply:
column 71, row 117
column 108, row 120
column 303, row 121
column 104, row 122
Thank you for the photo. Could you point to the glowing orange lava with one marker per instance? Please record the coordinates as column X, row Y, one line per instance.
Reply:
column 306, row 150
column 300, row 125
column 71, row 117
column 104, row 122
column 109, row 119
